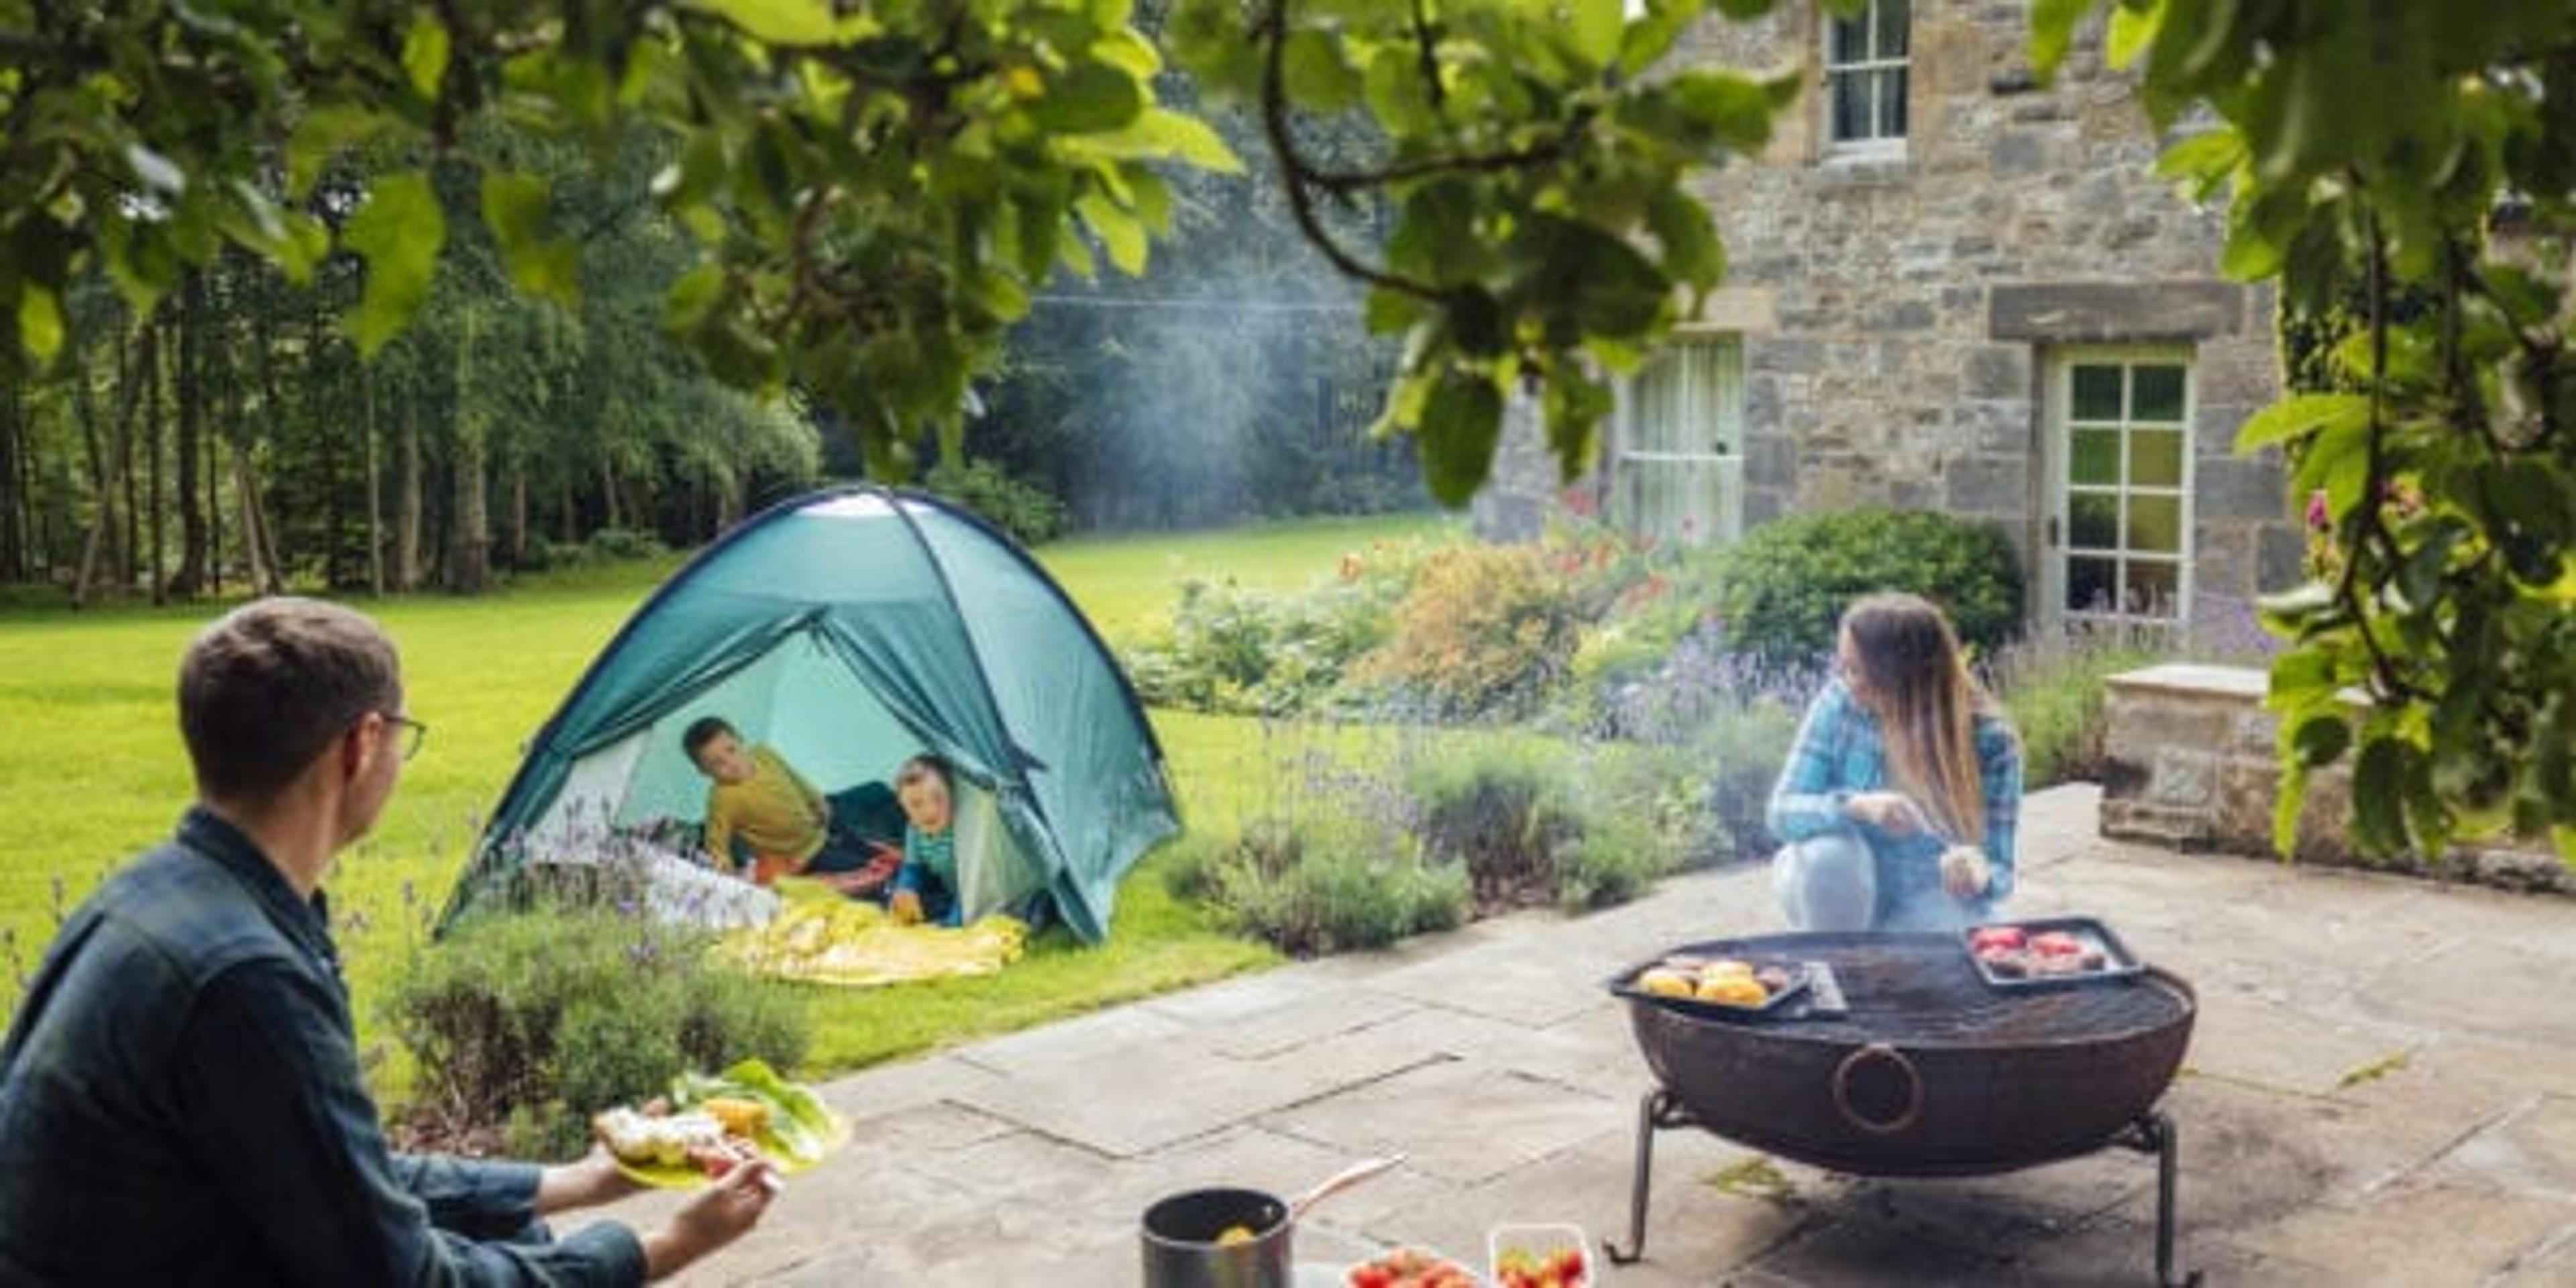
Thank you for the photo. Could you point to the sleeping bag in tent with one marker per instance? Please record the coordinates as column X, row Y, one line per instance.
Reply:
column 851, row 630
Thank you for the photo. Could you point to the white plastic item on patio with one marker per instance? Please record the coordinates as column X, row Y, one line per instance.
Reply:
column 1540, row 1238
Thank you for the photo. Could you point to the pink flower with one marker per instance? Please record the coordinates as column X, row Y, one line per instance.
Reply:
column 2320, row 516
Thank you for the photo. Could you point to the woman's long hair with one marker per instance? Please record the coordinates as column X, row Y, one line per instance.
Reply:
column 1912, row 678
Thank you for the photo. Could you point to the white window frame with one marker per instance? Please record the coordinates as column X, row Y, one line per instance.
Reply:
column 2059, row 546
column 1877, row 146
column 1725, row 465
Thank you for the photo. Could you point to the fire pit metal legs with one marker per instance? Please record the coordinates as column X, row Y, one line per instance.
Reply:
column 2153, row 1133
column 1657, row 1111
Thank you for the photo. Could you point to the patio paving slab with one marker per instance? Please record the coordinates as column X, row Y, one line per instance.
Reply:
column 1125, row 1103
column 1458, row 1120
column 2422, row 1232
column 2381, row 1090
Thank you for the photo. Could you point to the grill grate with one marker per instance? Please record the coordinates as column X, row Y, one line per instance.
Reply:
column 1920, row 990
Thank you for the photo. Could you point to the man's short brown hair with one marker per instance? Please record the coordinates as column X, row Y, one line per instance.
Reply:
column 270, row 685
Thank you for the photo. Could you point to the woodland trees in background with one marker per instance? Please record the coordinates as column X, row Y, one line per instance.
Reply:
column 230, row 437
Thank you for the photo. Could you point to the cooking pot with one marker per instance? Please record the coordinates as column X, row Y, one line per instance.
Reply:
column 1184, row 1234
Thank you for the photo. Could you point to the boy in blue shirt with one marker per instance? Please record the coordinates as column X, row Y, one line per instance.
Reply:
column 925, row 888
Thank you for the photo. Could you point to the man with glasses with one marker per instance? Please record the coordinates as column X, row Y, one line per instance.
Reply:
column 179, row 1095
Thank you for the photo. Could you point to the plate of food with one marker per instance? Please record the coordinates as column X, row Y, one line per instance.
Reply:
column 2053, row 952
column 1715, row 987
column 1409, row 1268
column 1539, row 1256
column 711, row 1124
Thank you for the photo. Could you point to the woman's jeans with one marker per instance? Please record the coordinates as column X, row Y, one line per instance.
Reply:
column 1830, row 882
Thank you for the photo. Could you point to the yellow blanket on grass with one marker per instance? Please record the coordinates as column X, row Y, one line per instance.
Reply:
column 823, row 937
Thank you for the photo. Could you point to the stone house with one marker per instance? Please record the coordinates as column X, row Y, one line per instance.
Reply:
column 1952, row 289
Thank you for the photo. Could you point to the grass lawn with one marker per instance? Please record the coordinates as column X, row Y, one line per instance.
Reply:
column 1126, row 583
column 92, row 771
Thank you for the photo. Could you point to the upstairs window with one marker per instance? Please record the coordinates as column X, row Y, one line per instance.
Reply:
column 1865, row 64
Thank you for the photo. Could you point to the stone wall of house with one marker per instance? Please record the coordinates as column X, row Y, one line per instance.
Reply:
column 1916, row 301
column 2190, row 761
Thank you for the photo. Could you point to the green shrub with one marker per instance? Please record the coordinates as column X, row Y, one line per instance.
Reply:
column 542, row 554
column 1503, row 811
column 1485, row 633
column 621, row 545
column 1232, row 651
column 535, row 1019
column 1192, row 864
column 1027, row 512
column 1535, row 822
column 2052, row 685
column 1784, row 587
column 1616, row 859
column 1328, row 889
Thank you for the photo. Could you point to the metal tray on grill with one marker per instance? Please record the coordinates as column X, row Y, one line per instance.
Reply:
column 1625, row 985
column 2119, row 965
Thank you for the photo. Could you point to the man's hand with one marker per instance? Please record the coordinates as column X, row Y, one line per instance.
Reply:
column 906, row 907
column 716, row 1216
column 589, row 1182
column 1891, row 812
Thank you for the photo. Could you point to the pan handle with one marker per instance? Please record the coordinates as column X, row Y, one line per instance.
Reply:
column 1338, row 1182
column 1850, row 1067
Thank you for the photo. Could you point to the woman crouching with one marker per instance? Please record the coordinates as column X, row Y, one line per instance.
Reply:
column 1899, row 798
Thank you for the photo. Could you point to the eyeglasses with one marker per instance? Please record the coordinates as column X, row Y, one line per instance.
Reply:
column 413, row 732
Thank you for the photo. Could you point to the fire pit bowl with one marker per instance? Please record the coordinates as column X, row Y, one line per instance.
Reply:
column 1923, row 1070
column 1932, row 1073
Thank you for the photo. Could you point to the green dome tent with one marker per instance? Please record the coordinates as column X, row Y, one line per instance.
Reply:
column 850, row 630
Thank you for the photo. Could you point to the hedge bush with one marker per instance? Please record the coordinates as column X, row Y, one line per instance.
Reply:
column 1029, row 513
column 1232, row 651
column 1505, row 813
column 1784, row 587
column 1538, row 822
column 1484, row 633
column 1315, row 887
column 537, row 1019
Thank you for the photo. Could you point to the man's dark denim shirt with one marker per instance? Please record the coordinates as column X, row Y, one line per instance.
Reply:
column 180, row 1103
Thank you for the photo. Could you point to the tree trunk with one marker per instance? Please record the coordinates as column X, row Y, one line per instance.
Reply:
column 13, row 498
column 469, row 560
column 152, row 454
column 407, row 515
column 266, row 578
column 608, row 491
column 138, row 380
column 190, row 393
column 375, row 485
column 100, row 544
column 257, row 520
column 518, row 514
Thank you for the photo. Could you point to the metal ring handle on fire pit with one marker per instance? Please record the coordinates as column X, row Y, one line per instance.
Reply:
column 1852, row 1064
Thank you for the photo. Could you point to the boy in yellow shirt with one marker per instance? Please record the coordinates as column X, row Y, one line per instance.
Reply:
column 787, row 825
